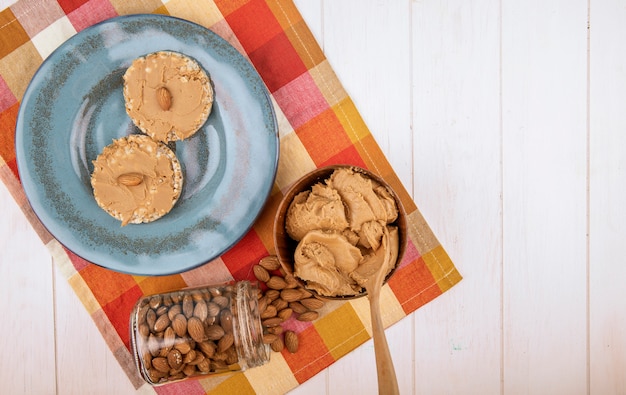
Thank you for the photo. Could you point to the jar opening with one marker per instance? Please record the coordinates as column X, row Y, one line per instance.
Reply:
column 250, row 347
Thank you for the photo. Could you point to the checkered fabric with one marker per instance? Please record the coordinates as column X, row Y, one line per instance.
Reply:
column 318, row 125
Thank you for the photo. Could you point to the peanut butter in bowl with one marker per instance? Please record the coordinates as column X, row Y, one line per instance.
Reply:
column 335, row 226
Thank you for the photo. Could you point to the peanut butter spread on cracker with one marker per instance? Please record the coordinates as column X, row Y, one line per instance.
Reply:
column 136, row 179
column 168, row 95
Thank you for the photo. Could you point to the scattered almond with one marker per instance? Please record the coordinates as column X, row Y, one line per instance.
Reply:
column 270, row 262
column 280, row 303
column 298, row 307
column 277, row 345
column 291, row 281
column 308, row 316
column 291, row 341
column 312, row 303
column 269, row 338
column 285, row 313
column 272, row 294
column 276, row 282
column 290, row 295
column 275, row 330
column 270, row 322
column 305, row 293
column 269, row 312
column 261, row 273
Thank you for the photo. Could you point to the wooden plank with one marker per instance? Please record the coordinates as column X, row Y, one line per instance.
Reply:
column 368, row 45
column 607, row 229
column 370, row 52
column 27, row 308
column 544, row 99
column 457, row 186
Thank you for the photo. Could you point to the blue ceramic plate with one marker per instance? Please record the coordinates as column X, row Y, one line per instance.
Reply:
column 74, row 107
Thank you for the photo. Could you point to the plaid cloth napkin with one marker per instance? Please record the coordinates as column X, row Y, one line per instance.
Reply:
column 319, row 125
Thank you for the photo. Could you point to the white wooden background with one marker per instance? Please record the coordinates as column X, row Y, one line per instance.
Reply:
column 506, row 120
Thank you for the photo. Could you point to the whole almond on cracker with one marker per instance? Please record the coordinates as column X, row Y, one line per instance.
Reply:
column 130, row 179
column 164, row 98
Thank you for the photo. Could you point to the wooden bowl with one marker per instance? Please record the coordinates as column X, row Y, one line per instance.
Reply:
column 286, row 246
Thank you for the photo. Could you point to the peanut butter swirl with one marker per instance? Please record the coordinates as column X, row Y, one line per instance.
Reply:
column 136, row 179
column 188, row 86
column 340, row 226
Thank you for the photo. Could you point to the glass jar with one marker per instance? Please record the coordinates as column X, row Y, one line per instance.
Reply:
column 197, row 332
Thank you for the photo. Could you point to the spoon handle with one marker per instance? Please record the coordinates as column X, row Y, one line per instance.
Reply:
column 387, row 381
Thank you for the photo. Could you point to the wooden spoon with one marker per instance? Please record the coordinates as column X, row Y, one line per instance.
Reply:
column 387, row 381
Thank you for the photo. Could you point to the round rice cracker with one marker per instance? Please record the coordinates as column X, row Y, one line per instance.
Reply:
column 136, row 152
column 189, row 89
